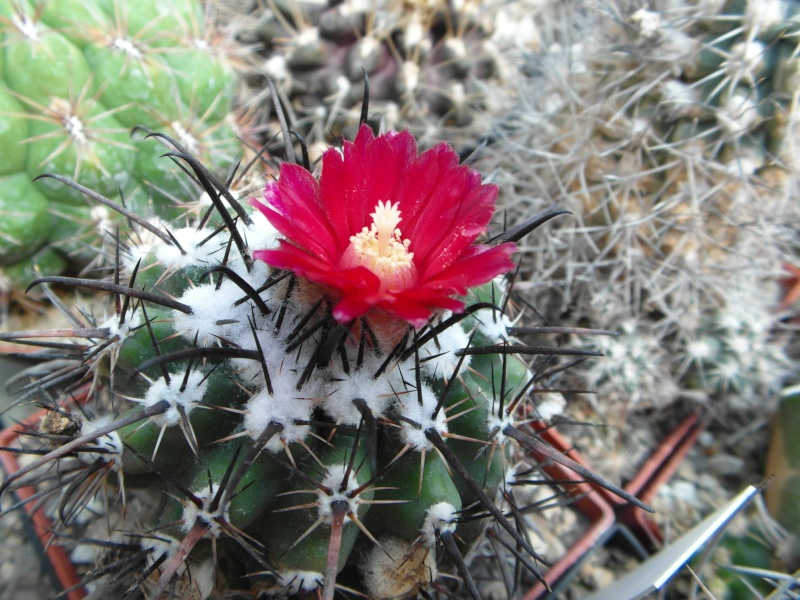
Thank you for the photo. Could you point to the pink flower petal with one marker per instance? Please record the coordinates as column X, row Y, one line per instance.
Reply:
column 349, row 308
column 482, row 264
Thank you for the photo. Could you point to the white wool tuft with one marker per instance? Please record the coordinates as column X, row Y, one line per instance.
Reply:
column 492, row 324
column 261, row 234
column 422, row 415
column 378, row 393
column 333, row 480
column 444, row 348
column 214, row 315
column 189, row 238
column 192, row 513
column 157, row 546
column 496, row 425
column 440, row 519
column 285, row 406
column 110, row 443
column 293, row 582
column 188, row 399
column 132, row 321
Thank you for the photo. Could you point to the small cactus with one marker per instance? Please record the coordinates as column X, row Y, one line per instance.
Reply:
column 320, row 393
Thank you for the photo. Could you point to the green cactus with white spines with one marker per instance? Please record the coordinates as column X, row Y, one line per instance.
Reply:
column 281, row 445
column 75, row 77
column 732, row 355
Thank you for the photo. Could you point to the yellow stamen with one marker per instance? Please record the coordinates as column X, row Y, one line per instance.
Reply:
column 382, row 249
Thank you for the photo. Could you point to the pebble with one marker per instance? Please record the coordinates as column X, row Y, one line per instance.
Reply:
column 600, row 577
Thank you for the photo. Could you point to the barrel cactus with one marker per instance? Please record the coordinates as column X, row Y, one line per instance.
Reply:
column 75, row 77
column 317, row 391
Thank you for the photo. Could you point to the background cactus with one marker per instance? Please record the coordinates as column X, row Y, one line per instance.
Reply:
column 434, row 67
column 226, row 393
column 669, row 131
column 74, row 79
column 663, row 130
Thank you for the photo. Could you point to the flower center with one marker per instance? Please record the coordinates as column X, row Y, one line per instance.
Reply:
column 382, row 250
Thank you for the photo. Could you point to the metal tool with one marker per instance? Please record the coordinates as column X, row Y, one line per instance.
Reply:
column 655, row 572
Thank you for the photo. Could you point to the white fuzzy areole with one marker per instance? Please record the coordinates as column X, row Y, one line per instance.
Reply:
column 110, row 442
column 187, row 399
column 379, row 394
column 438, row 357
column 439, row 519
column 193, row 254
column 214, row 314
column 293, row 582
column 422, row 415
column 286, row 407
column 333, row 480
column 192, row 513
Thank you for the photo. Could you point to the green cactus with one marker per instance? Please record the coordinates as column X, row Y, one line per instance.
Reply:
column 290, row 430
column 75, row 78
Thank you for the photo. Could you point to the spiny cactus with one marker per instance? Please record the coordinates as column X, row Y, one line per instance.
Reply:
column 732, row 352
column 322, row 394
column 75, row 77
column 434, row 67
column 636, row 371
column 662, row 130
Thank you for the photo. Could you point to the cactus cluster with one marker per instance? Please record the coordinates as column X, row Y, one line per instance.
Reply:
column 664, row 130
column 636, row 371
column 320, row 394
column 75, row 77
column 732, row 353
column 434, row 68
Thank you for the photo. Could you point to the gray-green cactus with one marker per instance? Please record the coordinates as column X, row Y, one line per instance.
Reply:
column 434, row 67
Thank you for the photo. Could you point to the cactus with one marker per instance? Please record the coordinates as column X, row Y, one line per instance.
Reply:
column 635, row 370
column 74, row 79
column 319, row 392
column 434, row 68
column 668, row 134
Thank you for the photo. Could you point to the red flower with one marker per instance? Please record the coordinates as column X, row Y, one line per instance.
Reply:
column 385, row 228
